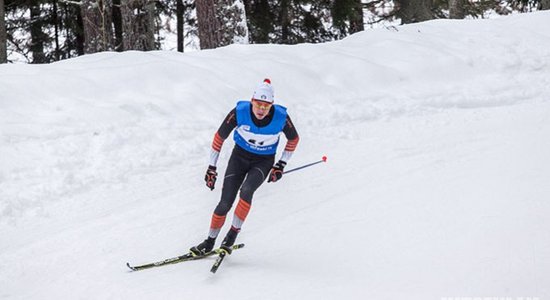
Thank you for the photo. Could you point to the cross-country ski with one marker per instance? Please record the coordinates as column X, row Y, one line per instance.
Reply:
column 178, row 259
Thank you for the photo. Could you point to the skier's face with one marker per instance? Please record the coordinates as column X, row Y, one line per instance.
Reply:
column 260, row 109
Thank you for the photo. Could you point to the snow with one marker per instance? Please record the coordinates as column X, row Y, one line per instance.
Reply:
column 436, row 183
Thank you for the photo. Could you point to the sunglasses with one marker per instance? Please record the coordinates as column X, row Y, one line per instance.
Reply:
column 261, row 105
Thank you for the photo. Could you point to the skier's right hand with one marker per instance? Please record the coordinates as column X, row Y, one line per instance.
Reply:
column 210, row 177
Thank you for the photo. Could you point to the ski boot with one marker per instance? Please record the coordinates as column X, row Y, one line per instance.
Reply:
column 204, row 247
column 229, row 240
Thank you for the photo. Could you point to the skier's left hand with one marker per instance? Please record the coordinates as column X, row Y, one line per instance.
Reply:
column 210, row 177
column 277, row 171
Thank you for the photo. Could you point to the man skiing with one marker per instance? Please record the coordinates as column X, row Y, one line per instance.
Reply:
column 258, row 124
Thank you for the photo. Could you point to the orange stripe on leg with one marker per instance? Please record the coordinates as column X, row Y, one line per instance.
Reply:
column 242, row 209
column 217, row 221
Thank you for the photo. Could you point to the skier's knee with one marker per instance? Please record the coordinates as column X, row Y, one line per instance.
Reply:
column 247, row 193
column 223, row 208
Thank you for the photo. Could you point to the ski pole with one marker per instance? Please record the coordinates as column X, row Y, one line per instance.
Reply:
column 324, row 159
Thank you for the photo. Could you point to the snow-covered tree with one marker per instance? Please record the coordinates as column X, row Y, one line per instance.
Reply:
column 233, row 22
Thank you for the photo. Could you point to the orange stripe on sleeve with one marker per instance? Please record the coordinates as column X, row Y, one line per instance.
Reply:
column 217, row 143
column 292, row 144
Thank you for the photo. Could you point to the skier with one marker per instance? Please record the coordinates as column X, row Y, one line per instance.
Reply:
column 258, row 124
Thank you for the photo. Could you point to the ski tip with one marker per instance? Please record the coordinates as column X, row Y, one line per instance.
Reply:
column 218, row 262
column 131, row 268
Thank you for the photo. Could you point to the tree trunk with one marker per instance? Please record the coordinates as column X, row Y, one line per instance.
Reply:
column 356, row 22
column 285, row 22
column 180, row 12
column 68, row 31
column 413, row 11
column 545, row 4
column 117, row 24
column 3, row 35
column 208, row 23
column 80, row 39
column 37, row 36
column 96, row 17
column 456, row 9
column 57, row 53
column 149, row 23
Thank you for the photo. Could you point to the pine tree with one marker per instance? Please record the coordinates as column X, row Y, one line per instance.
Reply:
column 302, row 21
column 347, row 16
column 260, row 18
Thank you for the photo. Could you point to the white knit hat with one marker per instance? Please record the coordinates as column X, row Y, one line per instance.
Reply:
column 264, row 92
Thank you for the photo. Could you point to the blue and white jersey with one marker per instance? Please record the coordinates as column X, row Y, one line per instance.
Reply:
column 258, row 140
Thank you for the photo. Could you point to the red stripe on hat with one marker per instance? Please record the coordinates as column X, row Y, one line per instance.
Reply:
column 267, row 80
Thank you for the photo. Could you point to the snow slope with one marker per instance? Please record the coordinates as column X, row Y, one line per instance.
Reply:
column 437, row 181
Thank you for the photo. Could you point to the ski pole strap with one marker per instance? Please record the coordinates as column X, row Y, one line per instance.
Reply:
column 324, row 159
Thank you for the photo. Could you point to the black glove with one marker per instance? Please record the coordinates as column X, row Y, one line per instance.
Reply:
column 277, row 171
column 210, row 177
